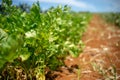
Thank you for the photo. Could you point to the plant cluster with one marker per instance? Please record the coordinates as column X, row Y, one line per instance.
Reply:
column 113, row 18
column 34, row 41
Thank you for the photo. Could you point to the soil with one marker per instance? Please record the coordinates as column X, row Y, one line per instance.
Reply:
column 100, row 59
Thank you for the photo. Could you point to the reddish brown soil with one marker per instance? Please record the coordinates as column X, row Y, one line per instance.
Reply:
column 100, row 59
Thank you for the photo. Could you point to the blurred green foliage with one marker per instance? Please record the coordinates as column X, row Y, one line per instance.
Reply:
column 113, row 18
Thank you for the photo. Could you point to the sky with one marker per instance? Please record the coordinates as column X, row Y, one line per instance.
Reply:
column 78, row 5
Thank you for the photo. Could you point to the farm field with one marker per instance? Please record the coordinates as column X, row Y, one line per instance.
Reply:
column 58, row 44
column 100, row 59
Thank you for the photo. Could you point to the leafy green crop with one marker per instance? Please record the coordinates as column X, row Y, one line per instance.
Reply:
column 40, row 40
column 113, row 18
